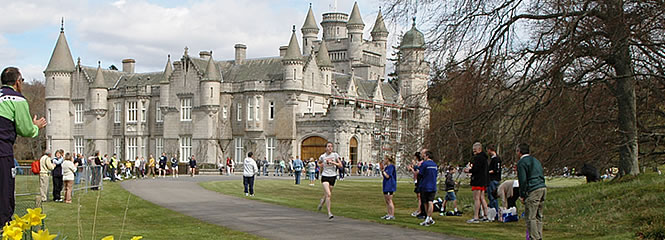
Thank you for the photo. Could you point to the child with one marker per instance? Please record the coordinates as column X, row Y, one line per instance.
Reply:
column 450, row 189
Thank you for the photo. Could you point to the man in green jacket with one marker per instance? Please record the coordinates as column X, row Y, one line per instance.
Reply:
column 532, row 190
column 14, row 120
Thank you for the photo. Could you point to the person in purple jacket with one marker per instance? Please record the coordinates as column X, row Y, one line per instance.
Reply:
column 389, row 185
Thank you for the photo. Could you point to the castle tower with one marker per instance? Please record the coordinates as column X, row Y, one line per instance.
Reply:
column 355, row 28
column 310, row 31
column 293, row 64
column 164, row 85
column 58, row 75
column 210, row 84
column 97, row 118
column 207, row 118
column 334, row 25
column 412, row 73
column 326, row 66
column 380, row 34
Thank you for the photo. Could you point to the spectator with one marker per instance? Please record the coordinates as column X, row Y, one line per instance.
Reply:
column 96, row 170
column 420, row 213
column 57, row 175
column 68, row 170
column 282, row 166
column 509, row 193
column 311, row 171
column 229, row 166
column 590, row 172
column 297, row 169
column 266, row 164
column 494, row 178
column 429, row 171
column 45, row 167
column 174, row 166
column 450, row 191
column 249, row 171
column 478, row 170
column 78, row 161
column 162, row 165
column 151, row 167
column 532, row 190
column 192, row 165
column 389, row 185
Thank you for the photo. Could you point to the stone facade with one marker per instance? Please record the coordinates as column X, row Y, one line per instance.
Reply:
column 332, row 90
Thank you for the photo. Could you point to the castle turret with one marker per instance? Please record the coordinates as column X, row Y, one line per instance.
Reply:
column 355, row 27
column 97, row 123
column 412, row 73
column 210, row 84
column 310, row 31
column 293, row 63
column 58, row 75
column 325, row 65
column 380, row 33
column 334, row 25
column 164, row 84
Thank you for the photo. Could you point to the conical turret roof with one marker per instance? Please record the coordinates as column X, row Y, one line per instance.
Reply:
column 355, row 17
column 322, row 57
column 379, row 25
column 310, row 22
column 61, row 59
column 211, row 71
column 168, row 70
column 99, row 78
column 293, row 51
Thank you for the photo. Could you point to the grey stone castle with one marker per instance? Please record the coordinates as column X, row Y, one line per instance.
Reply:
column 292, row 104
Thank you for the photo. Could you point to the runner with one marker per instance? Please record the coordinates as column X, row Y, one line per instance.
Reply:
column 328, row 162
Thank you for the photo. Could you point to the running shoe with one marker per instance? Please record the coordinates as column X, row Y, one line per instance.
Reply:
column 330, row 218
column 318, row 208
column 485, row 220
column 246, row 194
column 416, row 213
column 385, row 217
column 473, row 220
column 390, row 218
column 427, row 223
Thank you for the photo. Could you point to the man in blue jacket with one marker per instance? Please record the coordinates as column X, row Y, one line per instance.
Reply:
column 14, row 120
column 532, row 190
column 428, row 171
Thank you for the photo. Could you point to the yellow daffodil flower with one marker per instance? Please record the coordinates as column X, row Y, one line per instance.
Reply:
column 109, row 237
column 11, row 232
column 43, row 235
column 34, row 216
column 137, row 238
column 19, row 223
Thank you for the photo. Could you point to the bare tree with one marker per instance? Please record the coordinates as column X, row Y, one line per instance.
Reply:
column 544, row 46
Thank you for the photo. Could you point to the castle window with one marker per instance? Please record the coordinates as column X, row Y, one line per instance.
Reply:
column 238, row 149
column 312, row 79
column 225, row 112
column 387, row 113
column 131, row 111
column 327, row 80
column 257, row 104
column 144, row 111
column 270, row 149
column 186, row 109
column 159, row 146
column 211, row 92
column 78, row 116
column 294, row 75
column 117, row 111
column 79, row 144
column 158, row 113
column 250, row 107
column 271, row 110
column 185, row 147
column 49, row 142
column 132, row 148
column 117, row 146
column 239, row 111
column 49, row 115
column 310, row 106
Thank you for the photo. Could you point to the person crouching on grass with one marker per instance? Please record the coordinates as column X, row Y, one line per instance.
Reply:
column 389, row 185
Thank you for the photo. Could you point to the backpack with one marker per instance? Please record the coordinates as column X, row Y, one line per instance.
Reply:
column 35, row 167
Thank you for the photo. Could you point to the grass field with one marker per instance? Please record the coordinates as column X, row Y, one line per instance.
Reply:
column 143, row 218
column 606, row 210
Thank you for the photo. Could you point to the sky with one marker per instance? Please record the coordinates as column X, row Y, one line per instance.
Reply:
column 149, row 30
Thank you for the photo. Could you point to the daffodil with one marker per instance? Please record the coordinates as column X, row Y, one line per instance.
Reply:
column 19, row 223
column 11, row 232
column 109, row 237
column 137, row 238
column 43, row 235
column 34, row 216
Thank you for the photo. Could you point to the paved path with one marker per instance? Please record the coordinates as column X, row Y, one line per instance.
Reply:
column 271, row 221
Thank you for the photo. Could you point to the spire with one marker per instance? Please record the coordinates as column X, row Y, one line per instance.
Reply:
column 99, row 77
column 351, row 88
column 293, row 52
column 211, row 71
column 355, row 18
column 61, row 58
column 310, row 22
column 378, row 92
column 322, row 57
column 168, row 70
column 379, row 25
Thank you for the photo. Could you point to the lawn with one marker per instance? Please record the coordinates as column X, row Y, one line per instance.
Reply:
column 606, row 210
column 143, row 218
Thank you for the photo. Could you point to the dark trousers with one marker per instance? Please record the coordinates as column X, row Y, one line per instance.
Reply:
column 248, row 182
column 57, row 187
column 7, row 184
column 512, row 200
column 297, row 177
column 491, row 191
column 423, row 203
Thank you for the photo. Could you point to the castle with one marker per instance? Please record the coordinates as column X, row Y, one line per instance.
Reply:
column 292, row 104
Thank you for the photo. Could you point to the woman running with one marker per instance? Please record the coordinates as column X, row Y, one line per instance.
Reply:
column 328, row 162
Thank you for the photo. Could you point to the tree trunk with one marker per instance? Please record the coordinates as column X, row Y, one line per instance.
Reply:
column 624, row 91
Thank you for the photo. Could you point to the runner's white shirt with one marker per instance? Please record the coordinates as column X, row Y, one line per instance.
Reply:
column 329, row 170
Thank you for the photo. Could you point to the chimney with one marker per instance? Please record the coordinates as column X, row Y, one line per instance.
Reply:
column 282, row 50
column 241, row 53
column 205, row 55
column 128, row 65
